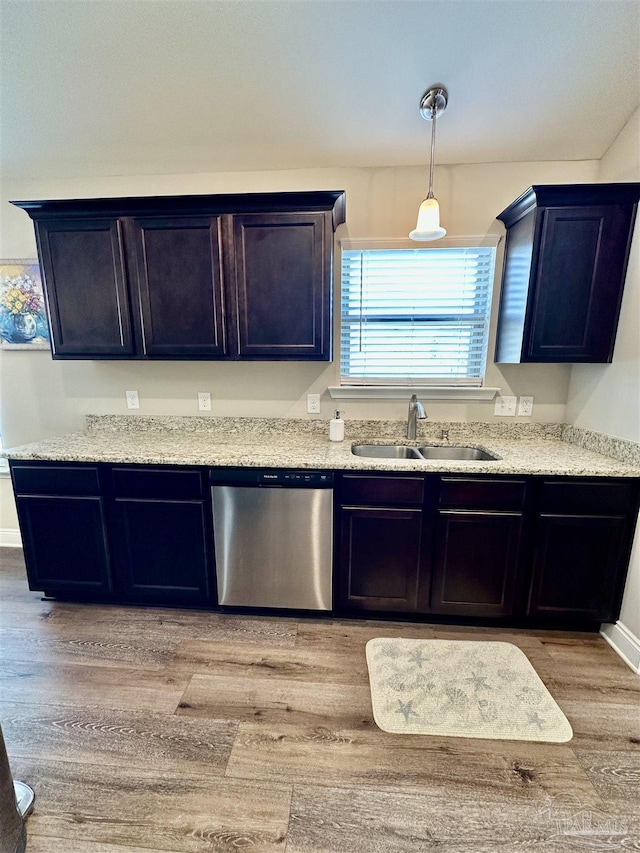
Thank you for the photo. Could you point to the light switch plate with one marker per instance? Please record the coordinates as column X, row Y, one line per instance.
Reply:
column 204, row 401
column 525, row 406
column 313, row 404
column 132, row 399
column 505, row 406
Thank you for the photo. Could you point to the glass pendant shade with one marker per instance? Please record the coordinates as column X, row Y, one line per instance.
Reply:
column 428, row 224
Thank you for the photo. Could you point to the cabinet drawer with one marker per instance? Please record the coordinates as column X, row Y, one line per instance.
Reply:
column 358, row 489
column 55, row 480
column 591, row 496
column 482, row 494
column 157, row 484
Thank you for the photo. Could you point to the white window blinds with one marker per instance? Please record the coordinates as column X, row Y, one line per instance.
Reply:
column 415, row 316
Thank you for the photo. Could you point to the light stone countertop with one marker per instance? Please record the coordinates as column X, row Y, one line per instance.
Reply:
column 549, row 449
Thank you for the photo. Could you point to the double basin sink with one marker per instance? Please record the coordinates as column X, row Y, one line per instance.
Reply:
column 432, row 451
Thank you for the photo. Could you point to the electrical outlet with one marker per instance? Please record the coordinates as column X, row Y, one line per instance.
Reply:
column 525, row 406
column 313, row 404
column 132, row 399
column 505, row 406
column 204, row 401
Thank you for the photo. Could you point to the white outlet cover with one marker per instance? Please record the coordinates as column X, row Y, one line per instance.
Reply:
column 132, row 399
column 505, row 406
column 313, row 404
column 204, row 401
column 525, row 406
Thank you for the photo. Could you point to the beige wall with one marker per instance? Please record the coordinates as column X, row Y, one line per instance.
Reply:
column 8, row 517
column 40, row 397
column 606, row 397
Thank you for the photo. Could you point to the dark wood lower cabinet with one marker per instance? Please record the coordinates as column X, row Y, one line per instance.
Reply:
column 534, row 550
column 582, row 535
column 65, row 544
column 160, row 534
column 62, row 516
column 527, row 550
column 380, row 555
column 160, row 551
column 121, row 533
column 577, row 565
column 477, row 563
column 478, row 547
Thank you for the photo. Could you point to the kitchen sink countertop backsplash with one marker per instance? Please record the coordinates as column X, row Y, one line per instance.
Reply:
column 522, row 448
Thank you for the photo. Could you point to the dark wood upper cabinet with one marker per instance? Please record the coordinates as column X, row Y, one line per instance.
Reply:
column 178, row 264
column 83, row 270
column 282, row 290
column 190, row 277
column 564, row 271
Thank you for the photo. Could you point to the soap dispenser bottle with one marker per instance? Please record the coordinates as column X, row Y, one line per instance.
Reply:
column 336, row 428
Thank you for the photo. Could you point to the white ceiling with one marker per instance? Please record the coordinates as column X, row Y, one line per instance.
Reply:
column 105, row 87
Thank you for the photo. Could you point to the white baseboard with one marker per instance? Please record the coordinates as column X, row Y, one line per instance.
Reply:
column 10, row 538
column 622, row 641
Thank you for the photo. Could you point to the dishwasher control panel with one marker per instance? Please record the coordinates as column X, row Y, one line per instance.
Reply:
column 284, row 478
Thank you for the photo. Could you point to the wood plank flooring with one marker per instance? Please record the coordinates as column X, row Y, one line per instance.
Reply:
column 150, row 730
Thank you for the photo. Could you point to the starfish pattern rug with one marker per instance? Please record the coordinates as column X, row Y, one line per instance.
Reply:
column 461, row 688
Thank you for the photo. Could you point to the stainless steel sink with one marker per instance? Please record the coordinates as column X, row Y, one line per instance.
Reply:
column 403, row 451
column 386, row 451
column 463, row 453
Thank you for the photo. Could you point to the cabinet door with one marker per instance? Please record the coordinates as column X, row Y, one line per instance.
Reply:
column 380, row 558
column 283, row 285
column 578, row 283
column 65, row 544
column 577, row 563
column 160, row 551
column 179, row 279
column 477, row 562
column 84, row 278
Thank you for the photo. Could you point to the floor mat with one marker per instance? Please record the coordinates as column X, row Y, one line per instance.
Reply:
column 461, row 688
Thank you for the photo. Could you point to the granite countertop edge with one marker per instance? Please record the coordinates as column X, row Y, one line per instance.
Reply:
column 547, row 449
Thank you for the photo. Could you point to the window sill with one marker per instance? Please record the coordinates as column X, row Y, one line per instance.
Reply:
column 402, row 392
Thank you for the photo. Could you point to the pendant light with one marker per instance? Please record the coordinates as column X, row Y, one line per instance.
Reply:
column 433, row 104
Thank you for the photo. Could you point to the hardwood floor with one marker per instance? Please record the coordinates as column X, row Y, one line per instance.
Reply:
column 149, row 730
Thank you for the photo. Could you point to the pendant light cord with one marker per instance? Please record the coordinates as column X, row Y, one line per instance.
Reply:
column 433, row 150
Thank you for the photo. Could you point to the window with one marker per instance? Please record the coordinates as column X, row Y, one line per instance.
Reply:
column 416, row 316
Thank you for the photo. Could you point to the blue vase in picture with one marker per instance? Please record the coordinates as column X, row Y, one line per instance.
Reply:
column 24, row 328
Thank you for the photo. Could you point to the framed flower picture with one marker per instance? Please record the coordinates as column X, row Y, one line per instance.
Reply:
column 23, row 319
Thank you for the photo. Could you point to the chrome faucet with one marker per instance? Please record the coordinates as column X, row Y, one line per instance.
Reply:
column 416, row 410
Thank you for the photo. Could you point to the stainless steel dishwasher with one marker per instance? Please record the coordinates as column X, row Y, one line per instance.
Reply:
column 273, row 533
